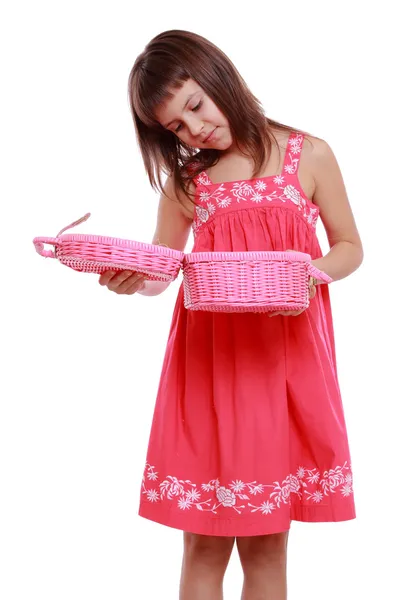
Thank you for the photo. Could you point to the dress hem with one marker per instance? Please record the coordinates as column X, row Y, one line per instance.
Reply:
column 237, row 527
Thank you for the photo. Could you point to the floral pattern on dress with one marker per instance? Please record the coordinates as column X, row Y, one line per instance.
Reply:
column 308, row 485
column 254, row 191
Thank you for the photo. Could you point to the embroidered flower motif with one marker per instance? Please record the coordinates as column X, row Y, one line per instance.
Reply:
column 295, row 143
column 294, row 195
column 316, row 496
column 210, row 208
column 293, row 483
column 153, row 496
column 291, row 168
column 300, row 472
column 260, row 185
column 188, row 495
column 151, row 474
column 223, row 202
column 173, row 487
column 280, row 494
column 241, row 190
column 207, row 487
column 203, row 179
column 184, row 503
column 237, row 486
column 193, row 495
column 267, row 507
column 332, row 479
column 256, row 489
column 204, row 196
column 312, row 217
column 346, row 489
column 226, row 497
column 256, row 190
column 202, row 213
column 257, row 197
column 314, row 477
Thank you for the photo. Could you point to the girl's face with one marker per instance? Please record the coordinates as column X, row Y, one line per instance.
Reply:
column 192, row 116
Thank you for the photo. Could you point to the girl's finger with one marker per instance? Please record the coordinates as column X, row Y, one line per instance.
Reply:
column 136, row 276
column 105, row 277
column 122, row 280
column 124, row 276
column 135, row 287
column 129, row 282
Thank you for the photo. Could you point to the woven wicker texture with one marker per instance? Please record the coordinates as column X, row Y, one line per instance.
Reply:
column 96, row 254
column 248, row 281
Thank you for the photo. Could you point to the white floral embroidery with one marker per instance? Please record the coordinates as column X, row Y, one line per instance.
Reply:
column 202, row 214
column 312, row 216
column 294, row 195
column 295, row 143
column 211, row 496
column 204, row 196
column 242, row 189
column 203, row 179
column 292, row 168
column 153, row 496
column 260, row 185
column 224, row 202
column 210, row 208
column 255, row 191
column 257, row 197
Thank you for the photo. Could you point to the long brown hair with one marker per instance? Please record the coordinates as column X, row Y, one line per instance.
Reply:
column 170, row 59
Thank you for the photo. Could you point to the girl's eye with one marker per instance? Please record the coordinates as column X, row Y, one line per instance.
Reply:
column 194, row 108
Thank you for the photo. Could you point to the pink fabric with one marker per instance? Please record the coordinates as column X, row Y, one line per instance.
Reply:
column 248, row 430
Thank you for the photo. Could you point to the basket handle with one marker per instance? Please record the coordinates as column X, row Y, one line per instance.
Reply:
column 318, row 274
column 81, row 220
column 38, row 242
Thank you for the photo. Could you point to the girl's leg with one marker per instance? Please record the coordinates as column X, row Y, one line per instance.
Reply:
column 264, row 560
column 205, row 560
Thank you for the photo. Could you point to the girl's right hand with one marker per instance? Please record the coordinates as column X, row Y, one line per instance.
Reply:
column 122, row 282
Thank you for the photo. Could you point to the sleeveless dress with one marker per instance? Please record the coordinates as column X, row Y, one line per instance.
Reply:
column 248, row 431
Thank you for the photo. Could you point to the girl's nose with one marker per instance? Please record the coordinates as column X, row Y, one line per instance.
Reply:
column 195, row 127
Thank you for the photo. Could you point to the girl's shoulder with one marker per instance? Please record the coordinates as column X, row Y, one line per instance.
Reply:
column 315, row 154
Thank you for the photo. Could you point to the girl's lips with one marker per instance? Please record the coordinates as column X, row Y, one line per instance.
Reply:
column 211, row 136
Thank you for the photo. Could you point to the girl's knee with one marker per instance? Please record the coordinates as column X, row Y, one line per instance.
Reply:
column 261, row 549
column 208, row 548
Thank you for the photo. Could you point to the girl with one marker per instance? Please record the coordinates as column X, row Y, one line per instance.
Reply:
column 248, row 431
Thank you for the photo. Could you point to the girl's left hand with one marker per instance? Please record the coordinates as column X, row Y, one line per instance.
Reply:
column 294, row 313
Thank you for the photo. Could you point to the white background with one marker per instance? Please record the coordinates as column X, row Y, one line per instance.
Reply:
column 80, row 364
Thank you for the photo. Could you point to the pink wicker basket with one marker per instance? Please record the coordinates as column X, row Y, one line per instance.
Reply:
column 96, row 254
column 248, row 281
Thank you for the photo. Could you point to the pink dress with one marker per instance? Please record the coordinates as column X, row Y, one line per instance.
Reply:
column 248, row 430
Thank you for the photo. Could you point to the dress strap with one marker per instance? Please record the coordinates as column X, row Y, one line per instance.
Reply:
column 292, row 154
column 201, row 178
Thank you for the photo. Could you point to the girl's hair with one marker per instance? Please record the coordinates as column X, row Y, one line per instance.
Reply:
column 168, row 60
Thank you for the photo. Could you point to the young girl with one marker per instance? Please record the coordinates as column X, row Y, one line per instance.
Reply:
column 248, row 431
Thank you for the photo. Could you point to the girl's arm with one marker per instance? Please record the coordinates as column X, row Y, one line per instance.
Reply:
column 346, row 253
column 172, row 230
